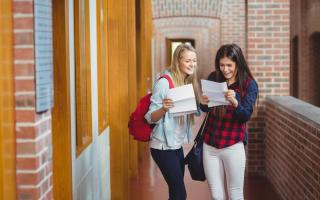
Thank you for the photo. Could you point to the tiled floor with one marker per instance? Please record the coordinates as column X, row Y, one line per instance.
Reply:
column 150, row 185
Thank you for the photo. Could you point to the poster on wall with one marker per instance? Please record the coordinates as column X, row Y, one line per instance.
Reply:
column 43, row 54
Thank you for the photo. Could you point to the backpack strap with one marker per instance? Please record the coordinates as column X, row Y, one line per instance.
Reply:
column 166, row 76
column 246, row 87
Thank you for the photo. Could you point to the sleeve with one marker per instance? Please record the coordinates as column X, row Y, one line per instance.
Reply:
column 245, row 108
column 159, row 92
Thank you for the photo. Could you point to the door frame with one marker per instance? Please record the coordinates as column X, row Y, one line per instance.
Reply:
column 7, row 125
column 61, row 122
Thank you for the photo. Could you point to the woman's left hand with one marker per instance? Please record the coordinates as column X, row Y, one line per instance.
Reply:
column 230, row 96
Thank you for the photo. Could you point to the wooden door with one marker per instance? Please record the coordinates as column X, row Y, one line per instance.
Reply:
column 61, row 134
column 7, row 132
column 144, row 64
column 129, row 26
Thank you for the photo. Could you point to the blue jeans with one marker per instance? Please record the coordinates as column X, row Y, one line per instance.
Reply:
column 171, row 166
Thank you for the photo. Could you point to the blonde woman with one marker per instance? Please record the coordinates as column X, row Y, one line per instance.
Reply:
column 170, row 133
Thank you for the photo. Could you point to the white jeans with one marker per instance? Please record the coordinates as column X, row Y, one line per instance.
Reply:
column 229, row 161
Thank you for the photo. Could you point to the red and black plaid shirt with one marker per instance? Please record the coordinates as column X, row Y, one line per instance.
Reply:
column 230, row 128
column 224, row 132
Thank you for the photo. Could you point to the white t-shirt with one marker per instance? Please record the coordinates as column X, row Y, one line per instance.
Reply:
column 180, row 137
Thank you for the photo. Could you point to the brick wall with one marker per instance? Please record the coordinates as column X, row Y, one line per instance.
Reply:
column 293, row 147
column 33, row 130
column 233, row 23
column 210, row 23
column 268, row 58
column 205, row 32
column 179, row 8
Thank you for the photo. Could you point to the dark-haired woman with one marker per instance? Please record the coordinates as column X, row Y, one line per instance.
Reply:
column 225, row 131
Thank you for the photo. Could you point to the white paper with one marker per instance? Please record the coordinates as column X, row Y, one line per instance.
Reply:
column 184, row 100
column 215, row 92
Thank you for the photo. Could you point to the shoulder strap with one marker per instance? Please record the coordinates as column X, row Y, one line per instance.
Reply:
column 246, row 87
column 166, row 76
column 199, row 136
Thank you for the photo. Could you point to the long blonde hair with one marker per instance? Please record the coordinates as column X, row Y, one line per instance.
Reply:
column 179, row 78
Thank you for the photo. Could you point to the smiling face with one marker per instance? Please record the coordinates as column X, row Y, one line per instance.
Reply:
column 228, row 69
column 188, row 62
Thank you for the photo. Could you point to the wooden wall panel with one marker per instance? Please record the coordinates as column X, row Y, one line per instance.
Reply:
column 7, row 129
column 61, row 133
column 144, row 64
column 103, row 68
column 133, row 145
column 129, row 45
column 144, row 35
column 118, row 45
column 82, row 75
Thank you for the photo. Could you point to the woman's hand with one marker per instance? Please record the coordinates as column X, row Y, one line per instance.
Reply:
column 230, row 96
column 158, row 114
column 167, row 104
column 204, row 100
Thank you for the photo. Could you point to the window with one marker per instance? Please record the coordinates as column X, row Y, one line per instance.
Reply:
column 103, row 86
column 172, row 45
column 83, row 73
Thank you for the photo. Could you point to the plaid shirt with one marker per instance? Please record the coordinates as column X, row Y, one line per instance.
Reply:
column 231, row 128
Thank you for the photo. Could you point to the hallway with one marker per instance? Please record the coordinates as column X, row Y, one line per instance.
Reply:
column 71, row 72
column 150, row 185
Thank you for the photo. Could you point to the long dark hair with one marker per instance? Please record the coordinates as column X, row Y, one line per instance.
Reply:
column 234, row 53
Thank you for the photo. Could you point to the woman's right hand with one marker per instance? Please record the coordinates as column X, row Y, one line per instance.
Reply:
column 204, row 99
column 158, row 114
column 167, row 104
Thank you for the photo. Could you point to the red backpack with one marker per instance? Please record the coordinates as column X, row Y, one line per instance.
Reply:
column 138, row 126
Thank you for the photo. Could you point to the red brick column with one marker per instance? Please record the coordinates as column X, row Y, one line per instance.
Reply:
column 268, row 57
column 33, row 130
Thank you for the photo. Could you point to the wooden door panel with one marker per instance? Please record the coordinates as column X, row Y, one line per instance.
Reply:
column 61, row 133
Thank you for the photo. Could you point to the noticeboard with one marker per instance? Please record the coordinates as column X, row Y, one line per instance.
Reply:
column 43, row 54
